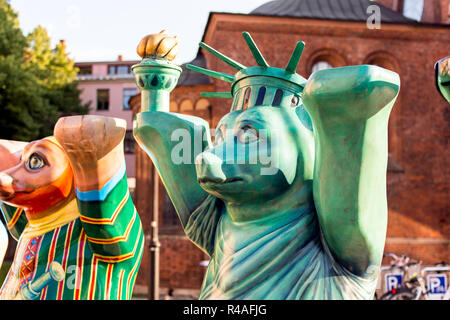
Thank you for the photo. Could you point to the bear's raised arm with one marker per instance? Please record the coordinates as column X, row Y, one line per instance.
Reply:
column 94, row 146
column 171, row 140
column 350, row 108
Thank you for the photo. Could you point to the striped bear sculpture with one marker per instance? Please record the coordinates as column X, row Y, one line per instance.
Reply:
column 65, row 199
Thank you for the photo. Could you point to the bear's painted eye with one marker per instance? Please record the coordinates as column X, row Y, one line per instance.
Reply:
column 35, row 162
column 247, row 134
column 294, row 101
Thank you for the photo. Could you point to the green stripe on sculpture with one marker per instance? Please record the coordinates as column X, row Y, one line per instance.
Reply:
column 98, row 209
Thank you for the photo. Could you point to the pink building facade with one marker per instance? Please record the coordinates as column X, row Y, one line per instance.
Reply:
column 108, row 87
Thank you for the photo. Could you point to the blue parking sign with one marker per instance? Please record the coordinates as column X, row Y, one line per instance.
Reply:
column 393, row 280
column 437, row 283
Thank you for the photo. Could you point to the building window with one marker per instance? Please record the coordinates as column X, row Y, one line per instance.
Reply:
column 111, row 69
column 413, row 9
column 383, row 63
column 127, row 94
column 170, row 217
column 202, row 104
column 123, row 69
column 382, row 59
column 170, row 223
column 119, row 69
column 325, row 59
column 186, row 105
column 128, row 143
column 321, row 65
column 85, row 70
column 103, row 99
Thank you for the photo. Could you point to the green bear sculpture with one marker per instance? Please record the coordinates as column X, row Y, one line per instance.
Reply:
column 290, row 199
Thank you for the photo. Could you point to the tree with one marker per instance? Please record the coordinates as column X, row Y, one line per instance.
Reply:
column 39, row 54
column 37, row 83
column 52, row 66
column 56, row 71
column 20, row 95
column 12, row 41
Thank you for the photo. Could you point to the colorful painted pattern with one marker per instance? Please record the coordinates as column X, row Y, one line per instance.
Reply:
column 16, row 218
column 100, row 251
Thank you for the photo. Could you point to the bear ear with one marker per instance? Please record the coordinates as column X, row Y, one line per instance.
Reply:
column 304, row 117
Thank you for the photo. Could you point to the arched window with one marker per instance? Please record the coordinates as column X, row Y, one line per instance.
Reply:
column 186, row 105
column 382, row 59
column 325, row 59
column 202, row 104
column 321, row 65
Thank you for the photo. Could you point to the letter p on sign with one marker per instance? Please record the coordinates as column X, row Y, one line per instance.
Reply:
column 437, row 283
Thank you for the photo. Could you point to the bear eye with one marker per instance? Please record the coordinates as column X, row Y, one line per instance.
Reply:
column 35, row 162
column 294, row 101
column 247, row 134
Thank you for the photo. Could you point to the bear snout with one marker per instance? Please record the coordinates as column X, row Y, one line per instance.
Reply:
column 6, row 186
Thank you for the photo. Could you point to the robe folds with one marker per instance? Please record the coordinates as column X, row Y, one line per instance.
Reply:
column 281, row 256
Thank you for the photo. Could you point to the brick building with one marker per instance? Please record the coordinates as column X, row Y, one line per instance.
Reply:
column 336, row 34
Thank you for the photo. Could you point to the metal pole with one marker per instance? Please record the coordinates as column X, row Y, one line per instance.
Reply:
column 154, row 244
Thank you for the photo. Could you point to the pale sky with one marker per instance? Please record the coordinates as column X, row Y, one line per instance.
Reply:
column 97, row 30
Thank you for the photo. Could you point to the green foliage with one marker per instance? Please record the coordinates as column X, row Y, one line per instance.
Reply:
column 37, row 83
column 22, row 101
column 39, row 53
column 12, row 41
column 52, row 66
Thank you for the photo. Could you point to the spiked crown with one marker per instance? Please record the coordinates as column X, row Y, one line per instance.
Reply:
column 259, row 85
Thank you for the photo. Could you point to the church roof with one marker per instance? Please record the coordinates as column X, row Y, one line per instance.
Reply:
column 347, row 10
column 344, row 10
